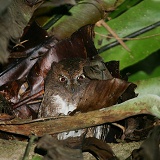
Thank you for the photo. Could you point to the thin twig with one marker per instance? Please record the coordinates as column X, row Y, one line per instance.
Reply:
column 104, row 24
column 129, row 39
column 26, row 100
column 119, row 126
column 21, row 44
column 28, row 148
column 147, row 104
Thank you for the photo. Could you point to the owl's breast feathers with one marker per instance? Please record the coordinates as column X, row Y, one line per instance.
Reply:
column 62, row 105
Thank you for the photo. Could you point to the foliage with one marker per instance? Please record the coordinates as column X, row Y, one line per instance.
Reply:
column 140, row 23
column 134, row 22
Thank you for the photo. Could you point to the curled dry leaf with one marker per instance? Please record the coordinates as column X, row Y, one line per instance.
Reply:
column 102, row 93
column 150, row 149
column 80, row 44
column 99, row 148
column 40, row 57
column 11, row 89
column 6, row 112
column 97, row 69
column 54, row 149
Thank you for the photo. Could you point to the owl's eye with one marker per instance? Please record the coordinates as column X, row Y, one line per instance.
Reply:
column 81, row 77
column 62, row 79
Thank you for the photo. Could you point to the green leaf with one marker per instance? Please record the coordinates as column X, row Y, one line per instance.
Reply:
column 142, row 15
column 37, row 157
column 127, row 4
column 150, row 86
column 85, row 12
column 141, row 75
column 140, row 49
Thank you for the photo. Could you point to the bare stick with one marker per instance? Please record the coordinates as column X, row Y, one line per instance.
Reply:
column 147, row 104
column 104, row 24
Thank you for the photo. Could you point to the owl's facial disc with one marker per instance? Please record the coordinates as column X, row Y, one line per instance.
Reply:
column 72, row 83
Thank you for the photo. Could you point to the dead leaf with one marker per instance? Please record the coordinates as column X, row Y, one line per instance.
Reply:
column 98, row 148
column 54, row 149
column 102, row 93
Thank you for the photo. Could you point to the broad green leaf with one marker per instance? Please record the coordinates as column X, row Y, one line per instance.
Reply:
column 148, row 97
column 142, row 15
column 127, row 4
column 145, row 104
column 140, row 49
column 149, row 86
column 85, row 12
column 140, row 75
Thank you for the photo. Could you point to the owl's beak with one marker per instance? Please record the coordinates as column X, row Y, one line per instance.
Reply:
column 72, row 88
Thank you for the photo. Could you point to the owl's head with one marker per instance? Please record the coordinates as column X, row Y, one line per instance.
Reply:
column 68, row 74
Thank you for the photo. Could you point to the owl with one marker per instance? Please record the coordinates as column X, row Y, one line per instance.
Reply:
column 64, row 85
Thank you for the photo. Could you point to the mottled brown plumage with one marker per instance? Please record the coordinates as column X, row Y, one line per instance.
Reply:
column 64, row 86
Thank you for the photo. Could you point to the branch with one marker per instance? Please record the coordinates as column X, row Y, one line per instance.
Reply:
column 105, row 25
column 147, row 104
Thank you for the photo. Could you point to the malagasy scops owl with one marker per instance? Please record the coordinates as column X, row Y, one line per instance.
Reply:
column 64, row 86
